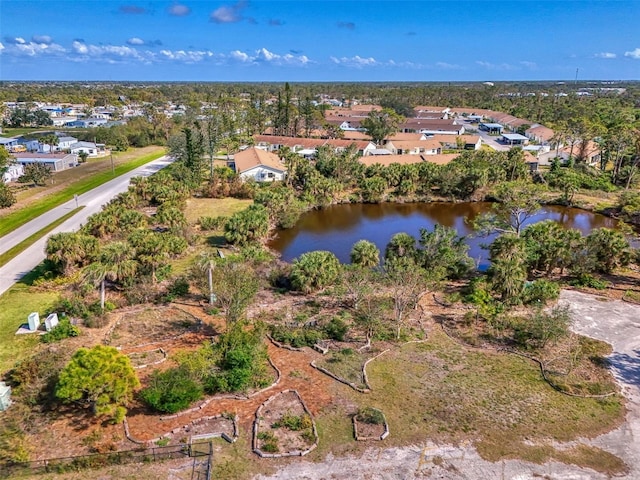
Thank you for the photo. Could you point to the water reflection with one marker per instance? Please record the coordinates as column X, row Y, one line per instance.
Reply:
column 338, row 227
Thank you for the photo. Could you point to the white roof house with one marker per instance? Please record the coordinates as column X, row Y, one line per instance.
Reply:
column 55, row 161
column 13, row 172
column 260, row 165
column 88, row 147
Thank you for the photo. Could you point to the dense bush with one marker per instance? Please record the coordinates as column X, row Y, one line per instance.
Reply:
column 64, row 329
column 212, row 223
column 336, row 329
column 589, row 281
column 295, row 337
column 540, row 291
column 171, row 391
column 370, row 415
column 314, row 270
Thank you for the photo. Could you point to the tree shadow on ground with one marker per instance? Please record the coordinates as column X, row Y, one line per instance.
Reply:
column 628, row 366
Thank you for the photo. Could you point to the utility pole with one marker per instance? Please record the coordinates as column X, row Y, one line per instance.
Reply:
column 113, row 167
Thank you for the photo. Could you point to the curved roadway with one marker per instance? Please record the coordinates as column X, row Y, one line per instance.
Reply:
column 92, row 200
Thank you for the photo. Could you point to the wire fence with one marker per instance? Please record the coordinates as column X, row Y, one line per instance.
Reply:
column 99, row 460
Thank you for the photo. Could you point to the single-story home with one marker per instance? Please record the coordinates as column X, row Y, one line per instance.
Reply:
column 88, row 147
column 8, row 142
column 466, row 142
column 386, row 160
column 55, row 161
column 272, row 143
column 88, row 122
column 65, row 142
column 514, row 139
column 13, row 172
column 426, row 147
column 259, row 164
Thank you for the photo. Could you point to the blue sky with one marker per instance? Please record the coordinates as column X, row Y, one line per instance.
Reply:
column 193, row 40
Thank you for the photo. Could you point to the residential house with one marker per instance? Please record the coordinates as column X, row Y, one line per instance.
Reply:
column 432, row 126
column 386, row 160
column 541, row 134
column 91, row 122
column 426, row 147
column 55, row 161
column 65, row 142
column 258, row 164
column 89, row 148
column 466, row 142
column 8, row 143
column 272, row 143
column 13, row 172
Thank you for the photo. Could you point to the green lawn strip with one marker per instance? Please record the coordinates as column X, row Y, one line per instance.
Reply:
column 15, row 305
column 22, row 246
column 20, row 217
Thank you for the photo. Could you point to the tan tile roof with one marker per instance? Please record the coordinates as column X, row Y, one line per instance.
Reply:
column 293, row 142
column 405, row 136
column 411, row 144
column 386, row 160
column 252, row 157
column 468, row 139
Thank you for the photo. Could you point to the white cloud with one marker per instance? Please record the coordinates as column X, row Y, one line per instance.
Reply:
column 21, row 48
column 356, row 61
column 79, row 47
column 264, row 56
column 495, row 66
column 448, row 66
column 135, row 41
column 605, row 55
column 186, row 56
column 1, row 47
column 529, row 65
column 635, row 54
column 42, row 39
column 228, row 13
column 178, row 10
column 240, row 56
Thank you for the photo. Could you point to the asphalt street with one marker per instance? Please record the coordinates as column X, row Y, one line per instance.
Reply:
column 92, row 200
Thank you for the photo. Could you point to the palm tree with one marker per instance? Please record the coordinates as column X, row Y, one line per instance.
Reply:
column 365, row 254
column 206, row 262
column 114, row 263
column 71, row 249
column 51, row 140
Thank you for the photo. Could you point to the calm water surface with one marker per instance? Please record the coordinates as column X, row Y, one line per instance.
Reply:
column 338, row 227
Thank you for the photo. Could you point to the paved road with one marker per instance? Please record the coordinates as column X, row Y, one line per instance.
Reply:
column 92, row 200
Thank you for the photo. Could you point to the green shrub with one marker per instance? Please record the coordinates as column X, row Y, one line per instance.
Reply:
column 295, row 337
column 336, row 329
column 64, row 329
column 177, row 289
column 171, row 391
column 589, row 281
column 212, row 223
column 541, row 291
column 370, row 415
column 294, row 422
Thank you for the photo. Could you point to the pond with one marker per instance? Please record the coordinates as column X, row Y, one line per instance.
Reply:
column 338, row 227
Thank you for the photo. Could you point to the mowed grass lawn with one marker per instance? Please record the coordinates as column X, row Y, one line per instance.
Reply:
column 440, row 391
column 213, row 207
column 15, row 305
column 33, row 202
